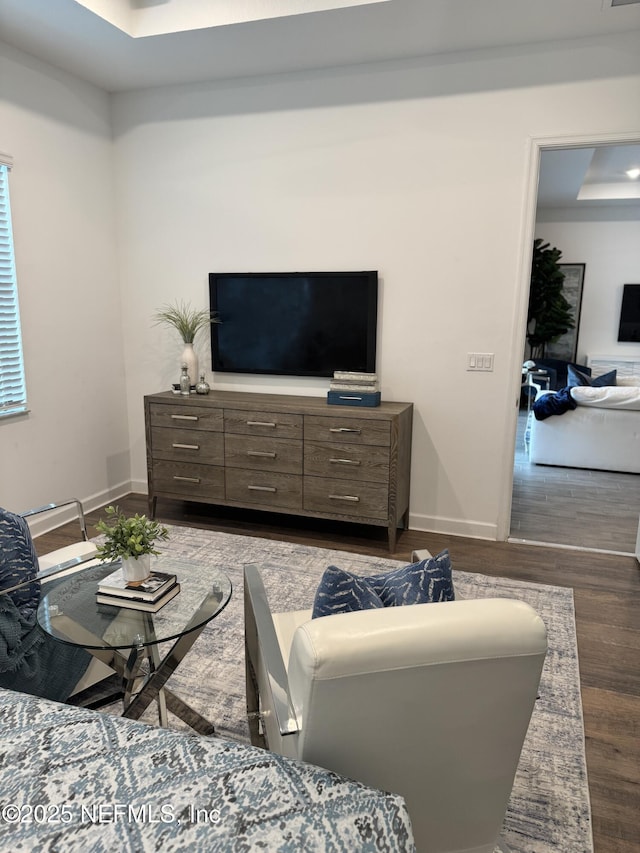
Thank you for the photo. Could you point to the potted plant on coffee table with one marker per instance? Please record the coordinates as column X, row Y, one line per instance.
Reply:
column 130, row 539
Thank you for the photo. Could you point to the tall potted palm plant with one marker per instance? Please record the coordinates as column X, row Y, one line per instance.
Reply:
column 549, row 315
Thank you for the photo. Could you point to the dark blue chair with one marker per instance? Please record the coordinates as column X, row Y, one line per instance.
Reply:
column 559, row 378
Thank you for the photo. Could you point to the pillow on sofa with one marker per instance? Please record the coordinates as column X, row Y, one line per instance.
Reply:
column 577, row 377
column 19, row 563
column 429, row 580
column 620, row 397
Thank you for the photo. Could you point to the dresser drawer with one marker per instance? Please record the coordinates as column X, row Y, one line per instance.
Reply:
column 347, row 461
column 187, row 445
column 194, row 482
column 268, row 488
column 186, row 417
column 275, row 424
column 263, row 454
column 346, row 497
column 353, row 430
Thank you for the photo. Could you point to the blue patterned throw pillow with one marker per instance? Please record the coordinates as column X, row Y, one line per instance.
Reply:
column 420, row 583
column 18, row 563
column 341, row 592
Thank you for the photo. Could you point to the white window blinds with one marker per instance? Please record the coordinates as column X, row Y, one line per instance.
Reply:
column 13, row 394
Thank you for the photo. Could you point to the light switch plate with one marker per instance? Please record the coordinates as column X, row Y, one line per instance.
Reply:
column 480, row 361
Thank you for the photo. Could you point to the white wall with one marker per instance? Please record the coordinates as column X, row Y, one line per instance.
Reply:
column 610, row 249
column 74, row 442
column 420, row 170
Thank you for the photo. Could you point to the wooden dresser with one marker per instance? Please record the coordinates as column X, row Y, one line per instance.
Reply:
column 281, row 453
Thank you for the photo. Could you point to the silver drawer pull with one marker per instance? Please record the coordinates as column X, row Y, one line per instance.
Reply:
column 260, row 423
column 262, row 488
column 187, row 479
column 185, row 446
column 270, row 453
column 344, row 429
column 185, row 417
column 352, row 498
column 345, row 461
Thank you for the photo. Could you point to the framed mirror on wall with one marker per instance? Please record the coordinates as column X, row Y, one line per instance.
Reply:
column 566, row 346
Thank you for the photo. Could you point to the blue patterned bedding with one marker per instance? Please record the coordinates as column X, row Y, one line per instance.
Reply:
column 76, row 780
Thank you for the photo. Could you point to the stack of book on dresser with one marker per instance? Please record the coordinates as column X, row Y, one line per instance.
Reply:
column 354, row 389
column 150, row 595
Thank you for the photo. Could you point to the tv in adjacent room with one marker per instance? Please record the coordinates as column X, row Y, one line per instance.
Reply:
column 294, row 323
column 629, row 329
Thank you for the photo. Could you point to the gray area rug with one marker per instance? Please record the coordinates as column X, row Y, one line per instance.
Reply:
column 549, row 809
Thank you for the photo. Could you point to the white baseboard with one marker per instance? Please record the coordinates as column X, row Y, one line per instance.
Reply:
column 453, row 527
column 46, row 522
column 139, row 487
column 427, row 524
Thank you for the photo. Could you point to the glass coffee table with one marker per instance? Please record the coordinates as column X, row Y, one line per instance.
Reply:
column 126, row 639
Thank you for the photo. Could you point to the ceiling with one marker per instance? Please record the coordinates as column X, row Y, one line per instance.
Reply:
column 580, row 179
column 129, row 44
column 120, row 45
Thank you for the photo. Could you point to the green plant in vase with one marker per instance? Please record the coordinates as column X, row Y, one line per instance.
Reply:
column 130, row 539
column 187, row 321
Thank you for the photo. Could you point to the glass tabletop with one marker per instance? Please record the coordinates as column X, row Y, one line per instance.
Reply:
column 69, row 612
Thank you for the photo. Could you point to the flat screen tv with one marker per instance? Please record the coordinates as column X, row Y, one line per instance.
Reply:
column 629, row 329
column 294, row 323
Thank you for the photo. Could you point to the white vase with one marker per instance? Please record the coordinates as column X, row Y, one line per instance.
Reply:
column 136, row 570
column 190, row 358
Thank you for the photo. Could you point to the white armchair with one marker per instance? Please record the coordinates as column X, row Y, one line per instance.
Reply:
column 70, row 558
column 430, row 701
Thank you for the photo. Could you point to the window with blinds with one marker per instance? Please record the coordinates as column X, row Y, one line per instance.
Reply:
column 13, row 393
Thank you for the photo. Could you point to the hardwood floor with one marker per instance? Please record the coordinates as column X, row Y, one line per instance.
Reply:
column 573, row 506
column 607, row 602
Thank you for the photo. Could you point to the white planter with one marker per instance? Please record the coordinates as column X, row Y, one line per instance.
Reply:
column 136, row 569
column 190, row 358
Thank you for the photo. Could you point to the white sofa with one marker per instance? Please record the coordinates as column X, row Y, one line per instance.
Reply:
column 603, row 432
column 431, row 701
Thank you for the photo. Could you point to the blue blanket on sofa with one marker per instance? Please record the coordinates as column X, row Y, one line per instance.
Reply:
column 556, row 403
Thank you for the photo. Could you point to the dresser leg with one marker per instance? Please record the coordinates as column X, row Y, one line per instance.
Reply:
column 392, row 533
column 393, row 530
column 153, row 502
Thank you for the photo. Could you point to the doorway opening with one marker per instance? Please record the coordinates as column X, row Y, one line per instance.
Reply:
column 588, row 208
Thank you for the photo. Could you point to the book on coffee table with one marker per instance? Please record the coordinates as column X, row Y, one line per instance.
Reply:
column 149, row 590
column 138, row 604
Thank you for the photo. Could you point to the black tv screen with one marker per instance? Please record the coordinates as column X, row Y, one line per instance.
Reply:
column 294, row 323
column 629, row 329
